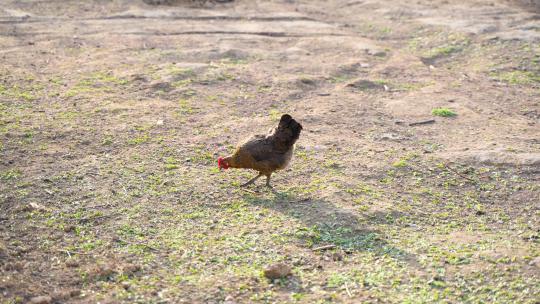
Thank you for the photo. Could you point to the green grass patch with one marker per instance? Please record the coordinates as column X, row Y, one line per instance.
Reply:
column 12, row 174
column 518, row 77
column 443, row 112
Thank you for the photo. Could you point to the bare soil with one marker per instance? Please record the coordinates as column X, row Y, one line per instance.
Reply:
column 113, row 113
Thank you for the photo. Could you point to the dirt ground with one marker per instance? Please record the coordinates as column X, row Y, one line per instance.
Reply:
column 419, row 160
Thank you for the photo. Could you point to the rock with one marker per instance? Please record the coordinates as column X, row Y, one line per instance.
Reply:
column 277, row 271
column 363, row 84
column 41, row 300
column 375, row 52
column 229, row 300
column 535, row 262
column 390, row 136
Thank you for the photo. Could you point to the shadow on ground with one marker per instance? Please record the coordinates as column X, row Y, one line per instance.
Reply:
column 326, row 224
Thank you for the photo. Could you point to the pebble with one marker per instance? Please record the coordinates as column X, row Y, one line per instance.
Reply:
column 229, row 300
column 41, row 300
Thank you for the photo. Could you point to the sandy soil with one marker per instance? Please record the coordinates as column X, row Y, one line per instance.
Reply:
column 112, row 114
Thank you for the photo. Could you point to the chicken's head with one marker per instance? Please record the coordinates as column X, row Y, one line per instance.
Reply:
column 222, row 163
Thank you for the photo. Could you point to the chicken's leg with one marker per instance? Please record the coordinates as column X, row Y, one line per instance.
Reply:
column 251, row 181
column 268, row 181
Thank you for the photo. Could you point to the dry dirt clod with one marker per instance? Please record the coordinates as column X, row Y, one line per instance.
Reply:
column 131, row 269
column 337, row 256
column 3, row 250
column 17, row 266
column 41, row 300
column 277, row 271
column 72, row 263
column 69, row 228
column 34, row 207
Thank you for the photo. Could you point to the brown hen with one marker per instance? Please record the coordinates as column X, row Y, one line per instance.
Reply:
column 265, row 153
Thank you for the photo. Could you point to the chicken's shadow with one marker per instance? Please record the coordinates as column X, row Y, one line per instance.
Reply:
column 327, row 224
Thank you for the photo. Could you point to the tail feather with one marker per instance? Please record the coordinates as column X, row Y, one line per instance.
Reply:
column 288, row 131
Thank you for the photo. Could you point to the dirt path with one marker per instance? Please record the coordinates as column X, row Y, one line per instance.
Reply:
column 112, row 114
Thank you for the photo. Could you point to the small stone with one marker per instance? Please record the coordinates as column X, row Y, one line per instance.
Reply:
column 277, row 271
column 41, row 300
column 229, row 300
column 159, row 122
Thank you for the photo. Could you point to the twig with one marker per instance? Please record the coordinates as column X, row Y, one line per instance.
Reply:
column 139, row 244
column 325, row 247
column 94, row 218
column 97, row 206
column 70, row 252
column 347, row 289
column 425, row 122
column 247, row 190
column 124, row 188
column 459, row 174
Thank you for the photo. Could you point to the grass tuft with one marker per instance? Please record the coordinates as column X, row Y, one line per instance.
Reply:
column 443, row 112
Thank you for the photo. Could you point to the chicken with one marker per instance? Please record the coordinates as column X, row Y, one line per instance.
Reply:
column 265, row 153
